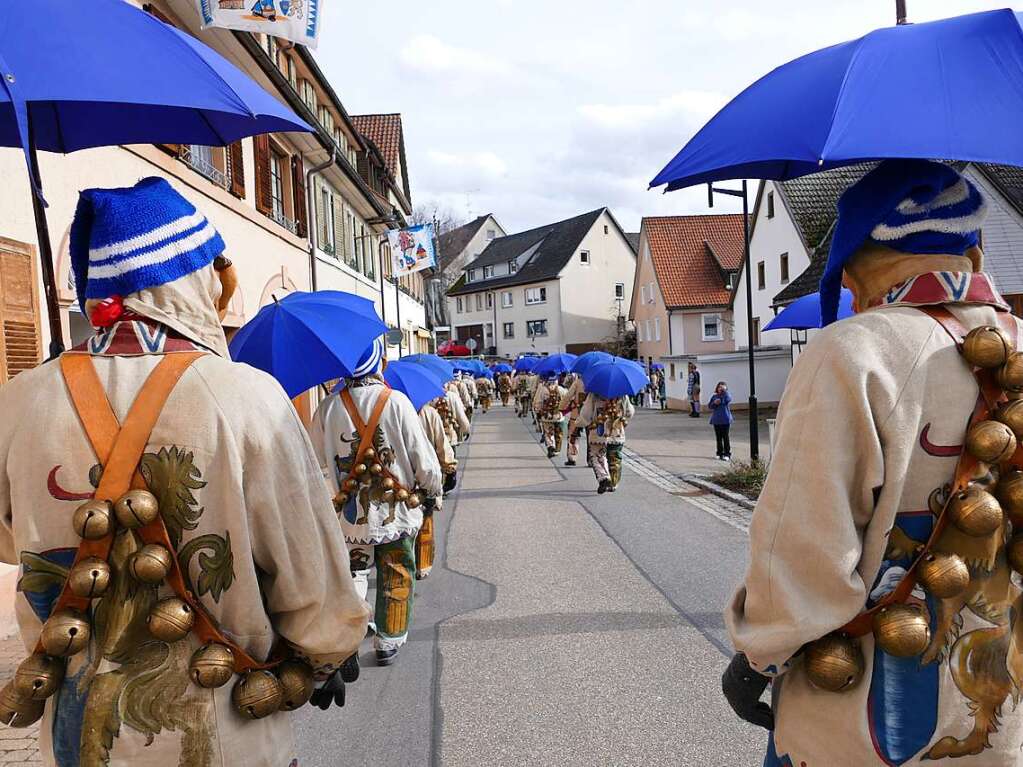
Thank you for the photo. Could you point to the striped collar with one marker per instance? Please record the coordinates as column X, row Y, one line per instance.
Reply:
column 134, row 336
column 933, row 288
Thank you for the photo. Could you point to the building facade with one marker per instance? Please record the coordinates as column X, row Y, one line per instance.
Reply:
column 556, row 288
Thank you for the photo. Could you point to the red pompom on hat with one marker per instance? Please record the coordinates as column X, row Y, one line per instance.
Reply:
column 107, row 312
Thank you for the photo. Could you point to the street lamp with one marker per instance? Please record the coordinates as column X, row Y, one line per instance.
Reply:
column 754, row 438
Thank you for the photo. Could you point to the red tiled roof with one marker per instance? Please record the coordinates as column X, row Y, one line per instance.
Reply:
column 385, row 132
column 690, row 254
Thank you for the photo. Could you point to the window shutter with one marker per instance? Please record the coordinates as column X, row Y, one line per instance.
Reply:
column 236, row 160
column 321, row 215
column 298, row 187
column 341, row 245
column 262, row 146
column 20, row 341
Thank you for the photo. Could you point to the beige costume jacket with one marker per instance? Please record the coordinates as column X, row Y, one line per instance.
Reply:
column 612, row 431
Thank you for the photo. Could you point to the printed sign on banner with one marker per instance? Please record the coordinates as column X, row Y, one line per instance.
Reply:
column 295, row 20
column 412, row 249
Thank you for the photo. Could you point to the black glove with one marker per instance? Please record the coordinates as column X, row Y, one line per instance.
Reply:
column 331, row 692
column 429, row 505
column 743, row 687
column 450, row 480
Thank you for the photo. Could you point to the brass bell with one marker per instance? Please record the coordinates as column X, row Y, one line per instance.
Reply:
column 991, row 442
column 387, row 483
column 296, row 679
column 18, row 710
column 151, row 563
column 170, row 619
column 943, row 575
column 93, row 520
column 360, row 468
column 901, row 630
column 136, row 508
column 1011, row 414
column 402, row 494
column 212, row 665
column 257, row 694
column 1014, row 552
column 340, row 499
column 833, row 663
column 370, row 454
column 89, row 578
column 1010, row 375
column 350, row 484
column 974, row 511
column 376, row 468
column 1010, row 495
column 65, row 633
column 413, row 501
column 987, row 346
column 38, row 676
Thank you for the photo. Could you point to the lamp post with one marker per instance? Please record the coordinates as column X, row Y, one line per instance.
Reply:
column 900, row 12
column 754, row 437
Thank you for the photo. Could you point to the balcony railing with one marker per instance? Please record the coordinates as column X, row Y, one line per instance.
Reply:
column 203, row 167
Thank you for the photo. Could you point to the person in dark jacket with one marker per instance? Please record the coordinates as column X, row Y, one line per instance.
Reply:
column 721, row 419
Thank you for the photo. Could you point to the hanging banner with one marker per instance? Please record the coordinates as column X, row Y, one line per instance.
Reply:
column 412, row 249
column 295, row 20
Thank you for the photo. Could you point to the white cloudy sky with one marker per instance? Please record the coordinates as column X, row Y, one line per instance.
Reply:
column 537, row 110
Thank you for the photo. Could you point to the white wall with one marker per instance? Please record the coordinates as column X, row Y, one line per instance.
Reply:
column 771, row 237
column 772, row 371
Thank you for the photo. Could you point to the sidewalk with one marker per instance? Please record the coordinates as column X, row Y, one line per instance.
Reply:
column 16, row 746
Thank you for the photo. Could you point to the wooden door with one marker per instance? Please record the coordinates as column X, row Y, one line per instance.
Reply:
column 20, row 340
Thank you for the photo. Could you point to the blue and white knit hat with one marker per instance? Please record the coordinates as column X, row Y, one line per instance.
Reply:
column 913, row 206
column 129, row 239
column 370, row 361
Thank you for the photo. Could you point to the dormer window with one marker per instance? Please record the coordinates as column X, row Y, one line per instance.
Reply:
column 488, row 272
column 513, row 266
column 471, row 276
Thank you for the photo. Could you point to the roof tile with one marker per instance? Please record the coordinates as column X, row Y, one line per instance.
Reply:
column 690, row 254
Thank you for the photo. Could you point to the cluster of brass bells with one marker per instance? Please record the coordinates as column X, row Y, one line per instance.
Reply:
column 834, row 663
column 366, row 473
column 261, row 693
column 23, row 698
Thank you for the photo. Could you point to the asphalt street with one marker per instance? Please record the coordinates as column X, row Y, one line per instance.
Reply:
column 559, row 627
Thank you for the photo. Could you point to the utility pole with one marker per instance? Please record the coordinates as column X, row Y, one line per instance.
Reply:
column 900, row 12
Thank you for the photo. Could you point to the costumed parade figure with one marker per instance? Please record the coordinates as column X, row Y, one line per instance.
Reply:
column 882, row 596
column 504, row 387
column 523, row 393
column 605, row 421
column 547, row 406
column 381, row 467
column 573, row 400
column 485, row 389
column 465, row 393
column 167, row 511
column 458, row 422
column 433, row 426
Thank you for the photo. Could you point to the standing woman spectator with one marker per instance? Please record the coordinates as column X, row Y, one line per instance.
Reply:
column 721, row 419
column 693, row 390
column 662, row 390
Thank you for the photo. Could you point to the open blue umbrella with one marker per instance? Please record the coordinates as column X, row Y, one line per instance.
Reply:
column 585, row 361
column 102, row 73
column 440, row 367
column 950, row 89
column 555, row 364
column 656, row 366
column 618, row 378
column 805, row 313
column 502, row 367
column 308, row 338
column 526, row 364
column 417, row 382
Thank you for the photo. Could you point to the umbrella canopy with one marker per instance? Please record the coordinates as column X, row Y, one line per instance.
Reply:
column 656, row 366
column 805, row 313
column 555, row 364
column 415, row 381
column 502, row 367
column 618, row 378
column 950, row 89
column 585, row 361
column 526, row 364
column 441, row 368
column 308, row 338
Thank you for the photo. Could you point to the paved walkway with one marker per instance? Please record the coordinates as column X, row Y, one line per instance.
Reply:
column 16, row 746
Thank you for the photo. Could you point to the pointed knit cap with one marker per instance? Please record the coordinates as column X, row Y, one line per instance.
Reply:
column 913, row 206
column 129, row 239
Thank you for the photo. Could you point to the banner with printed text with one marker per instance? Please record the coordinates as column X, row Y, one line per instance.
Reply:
column 412, row 249
column 295, row 20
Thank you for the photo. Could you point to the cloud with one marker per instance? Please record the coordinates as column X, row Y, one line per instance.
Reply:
column 431, row 55
column 690, row 103
column 485, row 163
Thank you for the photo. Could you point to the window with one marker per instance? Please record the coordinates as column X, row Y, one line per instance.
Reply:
column 509, row 330
column 671, row 369
column 307, row 94
column 649, row 333
column 761, row 276
column 619, row 290
column 653, row 295
column 657, row 328
column 277, row 185
column 513, row 266
column 756, row 331
column 536, row 328
column 271, row 47
column 606, row 230
column 730, row 280
column 639, row 331
column 506, row 299
column 479, row 302
column 471, row 277
column 458, row 302
column 289, row 67
column 770, row 204
column 491, row 234
column 783, row 266
column 536, row 296
column 326, row 119
column 488, row 272
column 642, row 294
column 584, row 257
column 490, row 300
column 327, row 241
column 711, row 324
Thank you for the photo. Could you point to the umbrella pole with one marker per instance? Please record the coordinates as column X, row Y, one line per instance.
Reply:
column 45, row 253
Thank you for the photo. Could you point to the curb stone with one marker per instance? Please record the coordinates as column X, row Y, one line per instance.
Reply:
column 705, row 484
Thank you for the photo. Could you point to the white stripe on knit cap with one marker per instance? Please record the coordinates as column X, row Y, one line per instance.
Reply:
column 961, row 225
column 152, row 257
column 370, row 365
column 954, row 195
column 149, row 239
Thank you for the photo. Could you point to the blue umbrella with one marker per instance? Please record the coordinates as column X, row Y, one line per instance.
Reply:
column 308, row 338
column 526, row 364
column 618, row 378
column 951, row 89
column 805, row 313
column 104, row 72
column 502, row 367
column 417, row 382
column 555, row 364
column 656, row 366
column 440, row 367
column 588, row 359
